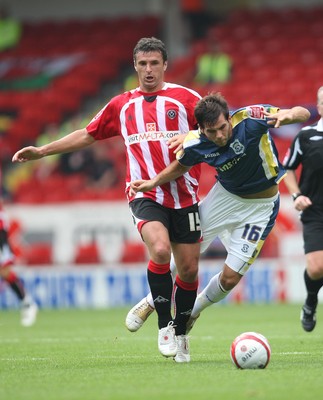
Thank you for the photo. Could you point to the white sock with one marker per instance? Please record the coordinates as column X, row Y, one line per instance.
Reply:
column 173, row 268
column 26, row 300
column 150, row 300
column 211, row 294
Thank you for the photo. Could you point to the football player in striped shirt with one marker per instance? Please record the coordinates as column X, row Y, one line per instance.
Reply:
column 167, row 217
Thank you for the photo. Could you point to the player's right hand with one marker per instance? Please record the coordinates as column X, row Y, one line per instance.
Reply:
column 27, row 154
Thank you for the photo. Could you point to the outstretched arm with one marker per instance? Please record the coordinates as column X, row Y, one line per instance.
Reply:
column 170, row 173
column 288, row 116
column 74, row 141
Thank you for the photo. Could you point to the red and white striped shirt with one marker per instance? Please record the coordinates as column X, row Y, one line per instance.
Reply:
column 146, row 121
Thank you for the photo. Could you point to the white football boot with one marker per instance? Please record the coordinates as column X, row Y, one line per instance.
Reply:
column 29, row 310
column 138, row 315
column 167, row 344
column 183, row 351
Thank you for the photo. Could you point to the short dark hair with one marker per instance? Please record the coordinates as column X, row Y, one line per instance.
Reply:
column 209, row 108
column 147, row 45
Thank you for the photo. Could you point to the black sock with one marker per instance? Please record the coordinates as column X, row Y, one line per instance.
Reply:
column 312, row 287
column 184, row 302
column 161, row 287
column 18, row 288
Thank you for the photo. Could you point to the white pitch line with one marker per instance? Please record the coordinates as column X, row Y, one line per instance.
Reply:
column 294, row 353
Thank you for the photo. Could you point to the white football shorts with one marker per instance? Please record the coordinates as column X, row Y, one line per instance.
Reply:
column 241, row 224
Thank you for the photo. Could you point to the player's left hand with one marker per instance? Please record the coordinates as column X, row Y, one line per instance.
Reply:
column 302, row 202
column 282, row 117
column 176, row 142
column 141, row 185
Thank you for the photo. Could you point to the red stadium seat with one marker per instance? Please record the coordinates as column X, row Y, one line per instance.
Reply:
column 87, row 254
column 133, row 252
column 38, row 254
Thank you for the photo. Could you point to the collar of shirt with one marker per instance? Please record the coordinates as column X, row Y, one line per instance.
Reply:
column 320, row 125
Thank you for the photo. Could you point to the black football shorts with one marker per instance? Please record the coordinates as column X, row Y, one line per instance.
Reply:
column 182, row 224
column 312, row 219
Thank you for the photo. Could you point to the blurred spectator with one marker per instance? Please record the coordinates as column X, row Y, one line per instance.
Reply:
column 10, row 29
column 101, row 171
column 29, row 308
column 72, row 163
column 196, row 18
column 68, row 163
column 131, row 82
column 95, row 163
column 214, row 66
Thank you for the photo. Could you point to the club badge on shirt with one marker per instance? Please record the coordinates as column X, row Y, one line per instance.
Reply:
column 237, row 147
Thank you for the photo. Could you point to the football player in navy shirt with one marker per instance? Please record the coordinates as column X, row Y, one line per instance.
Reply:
column 242, row 206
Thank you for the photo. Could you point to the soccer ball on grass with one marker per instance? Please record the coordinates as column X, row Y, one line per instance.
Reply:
column 250, row 350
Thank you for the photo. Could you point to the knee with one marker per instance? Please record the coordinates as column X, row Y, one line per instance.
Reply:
column 228, row 282
column 188, row 272
column 315, row 265
column 315, row 271
column 4, row 272
column 160, row 253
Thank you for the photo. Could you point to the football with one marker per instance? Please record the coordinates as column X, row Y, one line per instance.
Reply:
column 250, row 350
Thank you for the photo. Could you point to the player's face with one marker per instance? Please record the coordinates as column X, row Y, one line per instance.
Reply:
column 220, row 132
column 150, row 68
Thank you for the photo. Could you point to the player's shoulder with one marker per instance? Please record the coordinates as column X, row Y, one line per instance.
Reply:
column 120, row 100
column 254, row 112
column 113, row 106
column 181, row 89
column 192, row 139
column 309, row 134
column 313, row 128
column 125, row 96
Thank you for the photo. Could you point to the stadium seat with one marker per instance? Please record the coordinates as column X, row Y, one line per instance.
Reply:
column 133, row 252
column 38, row 254
column 87, row 254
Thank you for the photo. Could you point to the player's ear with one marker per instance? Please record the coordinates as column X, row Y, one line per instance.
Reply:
column 165, row 65
column 134, row 65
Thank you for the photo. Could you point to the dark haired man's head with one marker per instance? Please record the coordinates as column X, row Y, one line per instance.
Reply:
column 147, row 45
column 209, row 108
column 213, row 116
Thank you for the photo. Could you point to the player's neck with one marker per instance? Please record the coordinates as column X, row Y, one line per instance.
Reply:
column 152, row 90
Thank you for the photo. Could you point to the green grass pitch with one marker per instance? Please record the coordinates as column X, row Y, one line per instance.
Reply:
column 89, row 355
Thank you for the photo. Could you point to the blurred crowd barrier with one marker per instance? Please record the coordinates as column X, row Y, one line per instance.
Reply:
column 90, row 255
column 268, row 280
column 103, row 233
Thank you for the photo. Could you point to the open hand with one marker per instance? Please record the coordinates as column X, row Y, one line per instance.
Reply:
column 27, row 154
column 282, row 117
column 176, row 142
